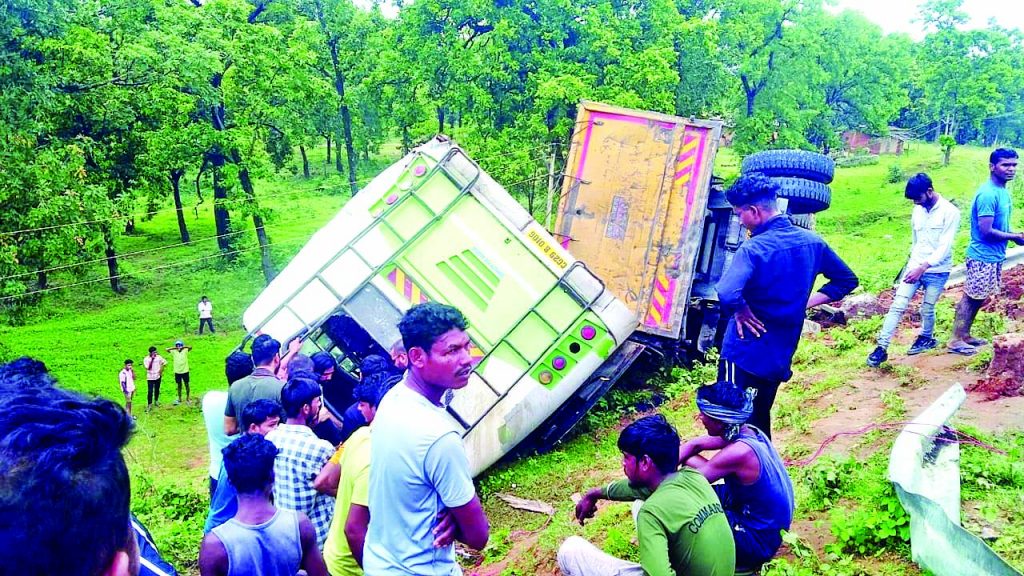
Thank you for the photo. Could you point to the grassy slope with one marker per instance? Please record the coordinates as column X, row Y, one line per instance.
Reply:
column 84, row 333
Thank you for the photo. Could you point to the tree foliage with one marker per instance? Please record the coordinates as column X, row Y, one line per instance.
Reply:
column 109, row 108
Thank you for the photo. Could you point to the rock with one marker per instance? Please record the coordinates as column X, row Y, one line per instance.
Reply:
column 862, row 306
column 811, row 327
column 989, row 533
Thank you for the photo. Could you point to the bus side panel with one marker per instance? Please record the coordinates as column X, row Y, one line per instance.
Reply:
column 637, row 188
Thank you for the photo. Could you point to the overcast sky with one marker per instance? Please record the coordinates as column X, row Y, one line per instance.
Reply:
column 899, row 15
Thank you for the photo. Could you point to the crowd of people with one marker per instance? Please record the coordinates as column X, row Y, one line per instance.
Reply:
column 294, row 486
column 313, row 469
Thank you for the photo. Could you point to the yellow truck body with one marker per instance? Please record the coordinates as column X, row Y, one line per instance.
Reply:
column 633, row 206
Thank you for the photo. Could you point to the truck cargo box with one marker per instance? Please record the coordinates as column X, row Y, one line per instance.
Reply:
column 633, row 207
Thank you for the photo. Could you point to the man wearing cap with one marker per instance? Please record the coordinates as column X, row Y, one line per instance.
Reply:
column 179, row 356
column 757, row 494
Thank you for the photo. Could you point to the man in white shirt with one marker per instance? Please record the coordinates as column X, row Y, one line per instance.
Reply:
column 205, row 314
column 934, row 223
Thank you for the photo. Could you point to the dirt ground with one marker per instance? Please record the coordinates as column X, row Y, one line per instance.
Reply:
column 858, row 404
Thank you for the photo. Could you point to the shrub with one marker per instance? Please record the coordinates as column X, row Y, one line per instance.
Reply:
column 826, row 480
column 895, row 174
column 685, row 381
column 875, row 527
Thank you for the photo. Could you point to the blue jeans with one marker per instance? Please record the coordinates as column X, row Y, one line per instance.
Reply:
column 932, row 284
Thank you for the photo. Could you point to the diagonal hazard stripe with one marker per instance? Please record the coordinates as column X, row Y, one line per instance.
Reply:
column 689, row 148
column 653, row 318
column 659, row 298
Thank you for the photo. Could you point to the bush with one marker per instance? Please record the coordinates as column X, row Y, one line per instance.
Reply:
column 895, row 174
column 875, row 527
column 175, row 515
column 686, row 381
column 826, row 480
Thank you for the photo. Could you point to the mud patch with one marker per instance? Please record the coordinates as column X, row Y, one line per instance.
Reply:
column 997, row 387
column 1005, row 371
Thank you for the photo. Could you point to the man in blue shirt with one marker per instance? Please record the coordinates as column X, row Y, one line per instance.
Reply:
column 767, row 289
column 990, row 231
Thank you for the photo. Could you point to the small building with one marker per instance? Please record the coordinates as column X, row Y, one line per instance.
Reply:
column 891, row 144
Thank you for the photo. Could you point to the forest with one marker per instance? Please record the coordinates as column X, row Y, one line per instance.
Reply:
column 113, row 109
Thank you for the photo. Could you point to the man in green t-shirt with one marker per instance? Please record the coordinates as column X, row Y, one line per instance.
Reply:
column 681, row 527
column 179, row 357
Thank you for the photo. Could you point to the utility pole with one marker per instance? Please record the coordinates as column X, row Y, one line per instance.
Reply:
column 551, row 186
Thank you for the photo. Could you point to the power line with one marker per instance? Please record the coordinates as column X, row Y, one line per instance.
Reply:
column 148, row 250
column 155, row 268
column 235, row 201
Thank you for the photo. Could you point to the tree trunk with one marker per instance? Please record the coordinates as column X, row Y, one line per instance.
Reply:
column 175, row 178
column 111, row 254
column 406, row 140
column 350, row 151
column 257, row 219
column 338, row 166
column 221, row 217
column 42, row 281
column 328, row 148
column 129, row 226
column 440, row 120
column 305, row 161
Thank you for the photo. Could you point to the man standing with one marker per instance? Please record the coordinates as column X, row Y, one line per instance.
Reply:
column 260, row 539
column 418, row 465
column 757, row 494
column 933, row 223
column 767, row 289
column 205, row 314
column 179, row 358
column 237, row 365
column 262, row 383
column 990, row 231
column 680, row 527
column 127, row 379
column 154, row 364
column 302, row 455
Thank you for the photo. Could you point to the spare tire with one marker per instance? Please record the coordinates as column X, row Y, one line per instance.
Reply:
column 805, row 221
column 791, row 163
column 805, row 196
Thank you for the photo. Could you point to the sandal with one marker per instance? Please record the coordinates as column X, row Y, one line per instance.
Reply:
column 976, row 341
column 962, row 348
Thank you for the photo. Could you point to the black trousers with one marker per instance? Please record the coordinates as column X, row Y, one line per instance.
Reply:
column 152, row 391
column 766, row 389
column 208, row 322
